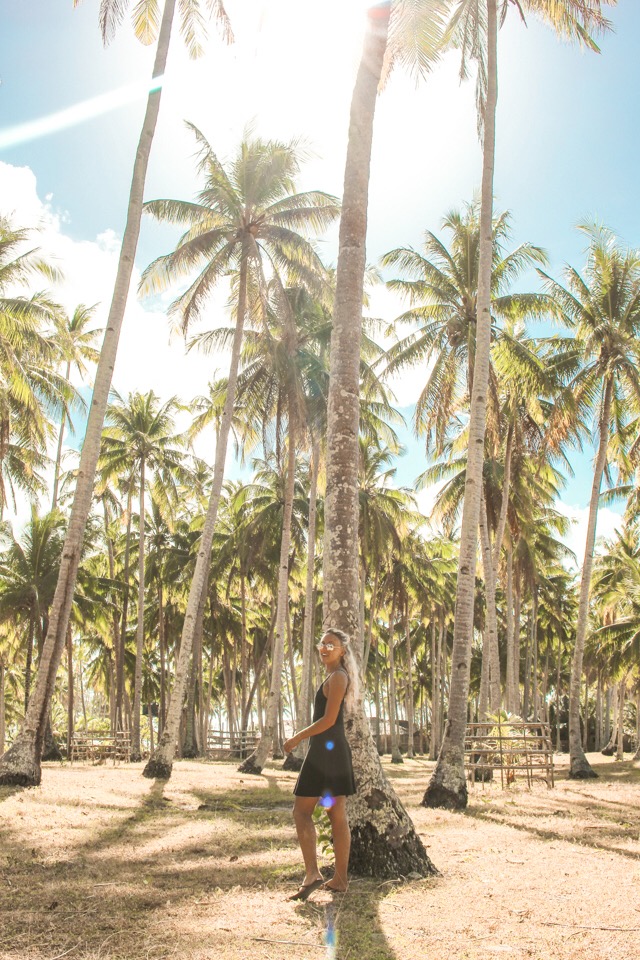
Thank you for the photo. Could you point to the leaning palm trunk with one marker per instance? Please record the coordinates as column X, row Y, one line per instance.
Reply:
column 447, row 787
column 580, row 766
column 384, row 843
column 56, row 470
column 256, row 761
column 21, row 764
column 2, row 720
column 160, row 764
column 136, row 752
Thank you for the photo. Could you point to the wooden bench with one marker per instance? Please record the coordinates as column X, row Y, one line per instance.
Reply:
column 98, row 747
column 224, row 745
column 517, row 749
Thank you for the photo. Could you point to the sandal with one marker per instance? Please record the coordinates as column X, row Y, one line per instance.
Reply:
column 306, row 890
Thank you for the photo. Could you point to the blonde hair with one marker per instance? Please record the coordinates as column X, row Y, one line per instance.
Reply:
column 350, row 666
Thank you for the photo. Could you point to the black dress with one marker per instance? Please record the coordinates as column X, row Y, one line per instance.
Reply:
column 327, row 771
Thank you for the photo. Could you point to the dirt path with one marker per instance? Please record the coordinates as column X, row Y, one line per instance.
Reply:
column 100, row 864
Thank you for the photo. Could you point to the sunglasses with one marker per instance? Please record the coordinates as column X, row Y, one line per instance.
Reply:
column 327, row 646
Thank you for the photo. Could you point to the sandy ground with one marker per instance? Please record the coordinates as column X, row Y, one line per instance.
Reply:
column 100, row 863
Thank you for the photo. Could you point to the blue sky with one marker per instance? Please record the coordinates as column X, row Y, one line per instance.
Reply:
column 567, row 145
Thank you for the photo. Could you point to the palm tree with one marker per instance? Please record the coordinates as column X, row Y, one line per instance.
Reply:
column 140, row 439
column 76, row 340
column 371, row 849
column 246, row 220
column 29, row 354
column 603, row 309
column 474, row 29
column 21, row 765
column 28, row 572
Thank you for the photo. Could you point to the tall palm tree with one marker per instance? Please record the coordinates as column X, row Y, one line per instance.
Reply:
column 21, row 765
column 247, row 219
column 28, row 573
column 30, row 387
column 384, row 841
column 602, row 308
column 474, row 29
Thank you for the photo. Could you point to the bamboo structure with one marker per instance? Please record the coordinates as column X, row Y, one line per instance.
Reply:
column 515, row 748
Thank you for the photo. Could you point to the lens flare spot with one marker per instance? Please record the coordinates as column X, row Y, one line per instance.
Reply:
column 326, row 801
column 329, row 744
column 330, row 940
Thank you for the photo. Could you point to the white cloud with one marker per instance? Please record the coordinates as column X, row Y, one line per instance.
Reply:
column 608, row 522
column 147, row 360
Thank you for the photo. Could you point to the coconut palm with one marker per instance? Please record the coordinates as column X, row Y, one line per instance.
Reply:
column 247, row 219
column 21, row 765
column 30, row 387
column 474, row 30
column 371, row 851
column 140, row 439
column 602, row 308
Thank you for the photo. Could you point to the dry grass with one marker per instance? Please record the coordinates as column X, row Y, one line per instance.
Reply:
column 100, row 864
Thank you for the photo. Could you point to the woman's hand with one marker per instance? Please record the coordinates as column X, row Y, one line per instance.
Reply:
column 290, row 744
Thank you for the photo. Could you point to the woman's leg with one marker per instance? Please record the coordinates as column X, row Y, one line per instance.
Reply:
column 303, row 808
column 341, row 843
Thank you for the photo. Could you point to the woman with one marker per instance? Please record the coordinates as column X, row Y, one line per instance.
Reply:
column 326, row 776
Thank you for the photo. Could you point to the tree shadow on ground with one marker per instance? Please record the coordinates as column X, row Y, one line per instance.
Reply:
column 6, row 792
column 584, row 815
column 350, row 922
column 111, row 894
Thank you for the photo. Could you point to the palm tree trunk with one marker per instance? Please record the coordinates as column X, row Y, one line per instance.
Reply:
column 69, row 694
column 307, row 635
column 492, row 617
column 517, row 616
column 56, row 471
column 620, row 740
column 435, row 693
column 136, row 752
column 125, row 616
column 510, row 694
column 447, row 787
column 410, row 719
column 383, row 840
column 256, row 761
column 396, row 756
column 163, row 665
column 580, row 766
column 160, row 763
column 2, row 707
column 21, row 764
column 636, row 755
column 558, row 666
column 373, row 610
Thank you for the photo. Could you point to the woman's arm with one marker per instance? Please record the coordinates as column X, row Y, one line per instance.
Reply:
column 337, row 689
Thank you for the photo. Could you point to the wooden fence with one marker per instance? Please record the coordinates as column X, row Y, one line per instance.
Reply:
column 516, row 749
column 98, row 747
column 227, row 745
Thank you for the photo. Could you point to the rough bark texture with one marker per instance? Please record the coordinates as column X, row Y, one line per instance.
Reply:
column 136, row 750
column 580, row 767
column 447, row 787
column 21, row 764
column 383, row 840
column 160, row 764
